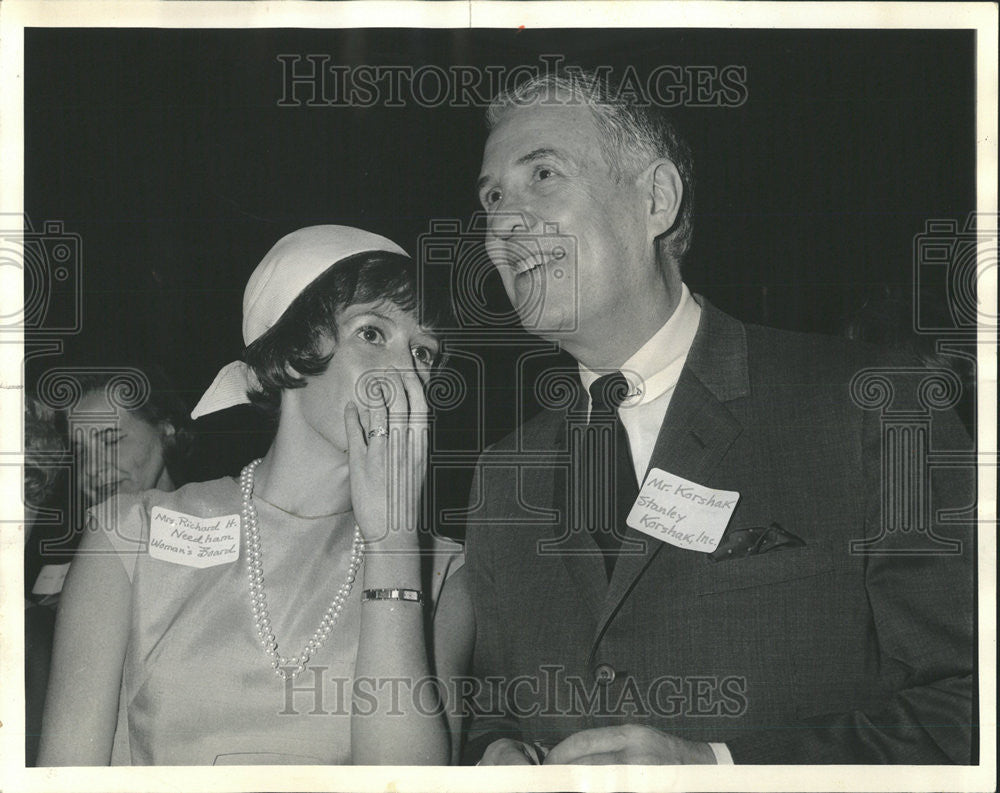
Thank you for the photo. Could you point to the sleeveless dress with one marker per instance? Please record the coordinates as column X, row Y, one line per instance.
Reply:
column 197, row 687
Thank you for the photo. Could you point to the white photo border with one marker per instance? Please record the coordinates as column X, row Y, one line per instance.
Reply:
column 16, row 15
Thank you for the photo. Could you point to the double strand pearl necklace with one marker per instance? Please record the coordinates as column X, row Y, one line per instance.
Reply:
column 258, row 597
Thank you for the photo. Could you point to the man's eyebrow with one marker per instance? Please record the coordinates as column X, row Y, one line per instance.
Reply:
column 531, row 156
column 539, row 154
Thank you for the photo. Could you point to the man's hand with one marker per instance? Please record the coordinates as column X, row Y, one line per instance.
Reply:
column 629, row 744
column 506, row 751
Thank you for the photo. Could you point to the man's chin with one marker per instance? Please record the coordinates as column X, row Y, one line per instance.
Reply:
column 551, row 325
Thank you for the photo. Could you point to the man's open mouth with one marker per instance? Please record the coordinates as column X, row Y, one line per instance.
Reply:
column 523, row 266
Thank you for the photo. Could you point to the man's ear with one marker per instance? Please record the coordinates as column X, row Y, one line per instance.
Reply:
column 666, row 191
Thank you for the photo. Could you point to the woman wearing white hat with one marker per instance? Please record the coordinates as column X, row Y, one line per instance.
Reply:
column 263, row 620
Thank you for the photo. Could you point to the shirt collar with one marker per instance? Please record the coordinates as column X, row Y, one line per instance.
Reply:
column 656, row 366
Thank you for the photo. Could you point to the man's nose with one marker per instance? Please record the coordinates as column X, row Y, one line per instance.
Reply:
column 511, row 223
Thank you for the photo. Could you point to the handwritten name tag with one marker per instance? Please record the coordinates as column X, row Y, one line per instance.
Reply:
column 50, row 579
column 681, row 512
column 193, row 541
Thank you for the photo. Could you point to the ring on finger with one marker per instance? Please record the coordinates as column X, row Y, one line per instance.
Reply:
column 380, row 431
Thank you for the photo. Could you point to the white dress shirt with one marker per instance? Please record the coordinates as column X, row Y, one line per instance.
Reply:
column 652, row 374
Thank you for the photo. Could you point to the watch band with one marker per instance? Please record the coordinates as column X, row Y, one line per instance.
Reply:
column 393, row 593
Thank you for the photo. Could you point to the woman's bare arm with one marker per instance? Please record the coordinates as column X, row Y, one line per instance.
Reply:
column 92, row 626
column 395, row 721
column 454, row 637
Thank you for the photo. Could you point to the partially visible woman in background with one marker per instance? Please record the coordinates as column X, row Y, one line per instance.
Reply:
column 130, row 430
column 44, row 451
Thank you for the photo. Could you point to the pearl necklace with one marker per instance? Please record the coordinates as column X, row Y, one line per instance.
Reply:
column 258, row 597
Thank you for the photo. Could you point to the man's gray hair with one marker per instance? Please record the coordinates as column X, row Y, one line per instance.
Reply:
column 633, row 134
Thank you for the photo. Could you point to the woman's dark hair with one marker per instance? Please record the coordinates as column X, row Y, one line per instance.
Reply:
column 298, row 339
column 148, row 393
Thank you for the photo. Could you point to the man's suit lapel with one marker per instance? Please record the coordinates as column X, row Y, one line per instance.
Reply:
column 696, row 432
column 579, row 552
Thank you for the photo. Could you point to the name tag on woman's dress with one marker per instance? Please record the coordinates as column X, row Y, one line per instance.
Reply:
column 50, row 579
column 193, row 541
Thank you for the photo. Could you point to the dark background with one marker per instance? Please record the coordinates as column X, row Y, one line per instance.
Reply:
column 167, row 152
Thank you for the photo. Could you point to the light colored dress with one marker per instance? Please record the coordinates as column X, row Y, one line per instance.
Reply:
column 197, row 687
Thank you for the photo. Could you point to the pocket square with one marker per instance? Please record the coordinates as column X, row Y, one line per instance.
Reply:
column 740, row 543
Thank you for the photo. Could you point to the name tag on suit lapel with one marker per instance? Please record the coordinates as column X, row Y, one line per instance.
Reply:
column 681, row 512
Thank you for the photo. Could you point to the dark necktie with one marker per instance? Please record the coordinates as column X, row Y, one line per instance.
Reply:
column 609, row 442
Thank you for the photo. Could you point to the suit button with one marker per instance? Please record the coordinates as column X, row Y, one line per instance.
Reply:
column 604, row 674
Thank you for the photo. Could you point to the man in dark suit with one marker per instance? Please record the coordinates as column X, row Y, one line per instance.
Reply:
column 810, row 623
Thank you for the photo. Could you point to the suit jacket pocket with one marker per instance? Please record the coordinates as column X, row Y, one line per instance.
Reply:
column 764, row 569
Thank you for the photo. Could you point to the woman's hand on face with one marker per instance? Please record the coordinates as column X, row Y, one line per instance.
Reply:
column 387, row 448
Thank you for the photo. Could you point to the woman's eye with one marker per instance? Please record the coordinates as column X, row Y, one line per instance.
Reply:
column 423, row 355
column 491, row 197
column 543, row 172
column 371, row 334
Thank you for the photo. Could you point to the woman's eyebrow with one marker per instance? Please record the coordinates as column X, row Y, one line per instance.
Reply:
column 376, row 314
